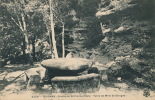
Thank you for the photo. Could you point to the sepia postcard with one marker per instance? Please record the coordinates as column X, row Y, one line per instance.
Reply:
column 77, row 49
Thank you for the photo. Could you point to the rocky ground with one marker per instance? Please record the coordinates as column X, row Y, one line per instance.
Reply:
column 13, row 83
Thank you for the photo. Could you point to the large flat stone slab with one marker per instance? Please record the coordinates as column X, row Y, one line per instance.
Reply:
column 74, row 78
column 70, row 64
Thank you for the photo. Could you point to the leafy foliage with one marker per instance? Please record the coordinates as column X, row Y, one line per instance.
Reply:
column 14, row 27
column 131, row 35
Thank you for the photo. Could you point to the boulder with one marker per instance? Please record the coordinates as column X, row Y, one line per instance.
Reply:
column 36, row 75
column 88, row 83
column 69, row 64
column 69, row 55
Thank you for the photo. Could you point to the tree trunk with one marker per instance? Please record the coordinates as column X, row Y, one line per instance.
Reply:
column 63, row 39
column 27, row 51
column 55, row 54
column 33, row 48
column 51, row 45
column 23, row 49
column 102, row 28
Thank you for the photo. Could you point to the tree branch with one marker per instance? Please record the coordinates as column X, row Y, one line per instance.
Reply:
column 15, row 22
column 23, row 20
column 21, row 27
column 58, row 18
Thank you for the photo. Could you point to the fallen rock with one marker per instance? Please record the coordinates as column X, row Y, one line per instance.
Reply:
column 104, row 77
column 120, row 29
column 105, row 40
column 106, row 30
column 121, row 85
column 36, row 74
column 47, row 87
column 119, row 58
column 139, row 80
column 113, row 65
column 110, row 64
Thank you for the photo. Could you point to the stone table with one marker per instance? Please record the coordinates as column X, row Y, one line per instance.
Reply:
column 65, row 66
